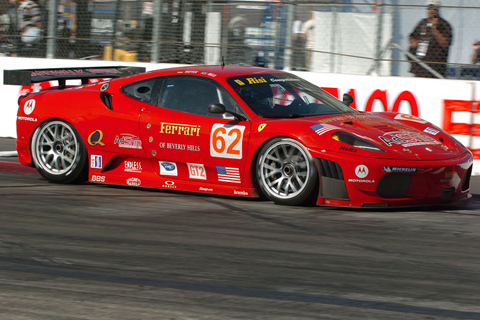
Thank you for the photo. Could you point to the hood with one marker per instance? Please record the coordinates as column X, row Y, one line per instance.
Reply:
column 399, row 136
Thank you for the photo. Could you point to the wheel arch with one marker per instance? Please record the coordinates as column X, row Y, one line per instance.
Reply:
column 253, row 164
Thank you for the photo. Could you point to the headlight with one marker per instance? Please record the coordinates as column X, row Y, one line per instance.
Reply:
column 355, row 141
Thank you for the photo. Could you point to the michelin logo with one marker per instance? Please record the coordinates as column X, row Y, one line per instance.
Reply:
column 400, row 169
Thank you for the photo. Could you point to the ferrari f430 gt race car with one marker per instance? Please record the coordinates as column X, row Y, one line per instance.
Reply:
column 235, row 131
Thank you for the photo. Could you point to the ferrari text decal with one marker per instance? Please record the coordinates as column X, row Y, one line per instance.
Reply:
column 130, row 141
column 407, row 139
column 96, row 138
column 180, row 129
column 196, row 171
column 226, row 141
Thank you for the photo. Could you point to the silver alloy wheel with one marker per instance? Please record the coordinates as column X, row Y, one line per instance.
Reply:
column 55, row 148
column 285, row 169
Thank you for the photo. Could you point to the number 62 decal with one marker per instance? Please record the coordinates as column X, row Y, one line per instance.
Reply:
column 226, row 141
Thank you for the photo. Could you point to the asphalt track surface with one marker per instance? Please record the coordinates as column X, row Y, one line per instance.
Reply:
column 101, row 252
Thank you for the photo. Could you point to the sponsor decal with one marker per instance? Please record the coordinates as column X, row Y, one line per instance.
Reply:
column 409, row 117
column 95, row 138
column 243, row 193
column 169, row 185
column 27, row 119
column 256, row 80
column 400, row 169
column 407, row 139
column 226, row 141
column 361, row 180
column 361, row 171
column 130, row 141
column 261, row 127
column 196, row 171
column 96, row 161
column 168, row 168
column 134, row 182
column 179, row 146
column 240, row 82
column 29, row 106
column 96, row 178
column 180, row 129
column 431, row 131
column 348, row 149
column 228, row 174
column 322, row 128
column 284, row 80
column 133, row 166
column 205, row 189
column 449, row 175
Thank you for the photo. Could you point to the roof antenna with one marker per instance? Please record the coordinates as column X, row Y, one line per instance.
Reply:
column 223, row 62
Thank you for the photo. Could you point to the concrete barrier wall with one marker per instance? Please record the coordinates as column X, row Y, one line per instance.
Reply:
column 450, row 104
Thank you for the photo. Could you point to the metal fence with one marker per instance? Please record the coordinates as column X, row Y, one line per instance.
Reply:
column 336, row 36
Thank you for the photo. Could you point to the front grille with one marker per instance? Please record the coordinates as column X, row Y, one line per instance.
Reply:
column 394, row 186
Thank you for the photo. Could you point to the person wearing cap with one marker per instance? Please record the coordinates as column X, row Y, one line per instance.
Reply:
column 430, row 42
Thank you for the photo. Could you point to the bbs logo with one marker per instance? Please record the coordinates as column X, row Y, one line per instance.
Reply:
column 98, row 178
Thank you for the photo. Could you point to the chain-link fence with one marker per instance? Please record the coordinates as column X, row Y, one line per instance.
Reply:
column 389, row 37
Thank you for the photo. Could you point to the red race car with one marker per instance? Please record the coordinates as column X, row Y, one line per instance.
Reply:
column 236, row 131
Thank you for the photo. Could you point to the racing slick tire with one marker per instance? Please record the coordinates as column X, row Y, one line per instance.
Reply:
column 286, row 173
column 59, row 153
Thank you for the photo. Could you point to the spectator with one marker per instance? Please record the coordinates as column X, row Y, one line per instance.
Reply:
column 476, row 52
column 307, row 35
column 430, row 42
column 298, row 61
column 236, row 40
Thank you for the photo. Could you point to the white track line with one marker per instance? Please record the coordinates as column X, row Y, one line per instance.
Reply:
column 8, row 154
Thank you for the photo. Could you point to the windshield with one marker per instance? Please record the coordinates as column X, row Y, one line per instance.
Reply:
column 284, row 95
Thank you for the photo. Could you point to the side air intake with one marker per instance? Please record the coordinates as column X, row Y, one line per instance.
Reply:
column 332, row 182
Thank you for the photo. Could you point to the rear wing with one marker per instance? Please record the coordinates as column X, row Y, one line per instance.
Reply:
column 26, row 77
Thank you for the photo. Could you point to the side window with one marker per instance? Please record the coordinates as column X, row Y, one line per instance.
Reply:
column 193, row 95
column 145, row 90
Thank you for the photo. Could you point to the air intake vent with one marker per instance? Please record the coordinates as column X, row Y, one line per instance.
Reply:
column 332, row 183
column 330, row 169
column 394, row 186
column 107, row 100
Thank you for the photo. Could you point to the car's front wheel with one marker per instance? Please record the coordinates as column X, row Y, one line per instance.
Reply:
column 59, row 153
column 286, row 172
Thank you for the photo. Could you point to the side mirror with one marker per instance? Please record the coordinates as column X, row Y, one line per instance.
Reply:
column 347, row 99
column 217, row 108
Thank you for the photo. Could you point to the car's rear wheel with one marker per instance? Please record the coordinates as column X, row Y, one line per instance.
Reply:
column 286, row 172
column 59, row 153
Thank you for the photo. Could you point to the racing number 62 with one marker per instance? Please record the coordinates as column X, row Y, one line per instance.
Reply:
column 226, row 141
